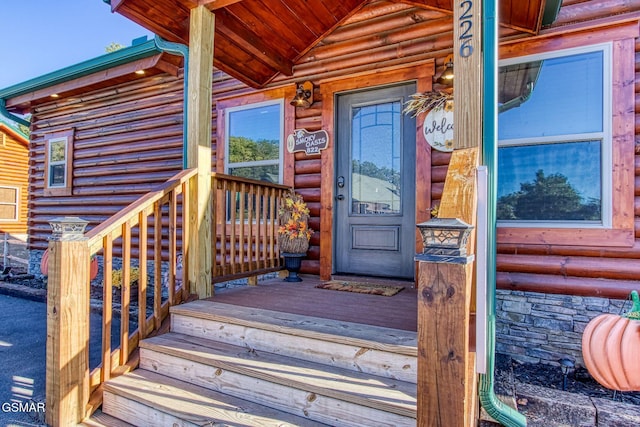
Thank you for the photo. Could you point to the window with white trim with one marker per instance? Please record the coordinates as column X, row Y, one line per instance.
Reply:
column 554, row 131
column 57, row 154
column 9, row 203
column 58, row 164
column 254, row 141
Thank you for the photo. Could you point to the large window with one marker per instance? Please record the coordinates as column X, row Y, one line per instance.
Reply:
column 9, row 203
column 554, row 130
column 254, row 135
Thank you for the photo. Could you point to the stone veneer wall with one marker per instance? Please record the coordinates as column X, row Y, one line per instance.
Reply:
column 543, row 328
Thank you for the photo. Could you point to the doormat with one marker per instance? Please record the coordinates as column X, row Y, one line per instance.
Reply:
column 361, row 287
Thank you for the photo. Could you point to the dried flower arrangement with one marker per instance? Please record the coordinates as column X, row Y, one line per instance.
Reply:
column 294, row 232
column 427, row 101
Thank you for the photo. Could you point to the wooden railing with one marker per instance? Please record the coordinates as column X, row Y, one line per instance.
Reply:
column 142, row 243
column 245, row 227
column 143, row 239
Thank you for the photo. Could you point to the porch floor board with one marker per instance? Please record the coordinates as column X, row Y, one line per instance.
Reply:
column 398, row 311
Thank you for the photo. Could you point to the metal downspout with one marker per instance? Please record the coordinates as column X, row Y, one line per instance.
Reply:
column 10, row 116
column 179, row 49
column 500, row 412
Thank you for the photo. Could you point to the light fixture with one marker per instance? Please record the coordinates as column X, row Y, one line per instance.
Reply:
column 140, row 72
column 566, row 365
column 446, row 77
column 445, row 236
column 304, row 95
column 55, row 95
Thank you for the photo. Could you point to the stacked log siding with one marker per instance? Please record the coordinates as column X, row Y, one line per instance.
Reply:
column 14, row 172
column 128, row 139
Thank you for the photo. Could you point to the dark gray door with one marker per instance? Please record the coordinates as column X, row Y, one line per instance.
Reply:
column 375, row 183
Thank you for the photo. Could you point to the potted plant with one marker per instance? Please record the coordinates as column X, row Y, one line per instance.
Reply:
column 294, row 233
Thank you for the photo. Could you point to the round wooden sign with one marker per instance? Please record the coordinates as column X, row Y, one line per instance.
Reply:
column 438, row 127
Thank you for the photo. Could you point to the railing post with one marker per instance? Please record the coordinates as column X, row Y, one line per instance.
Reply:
column 444, row 299
column 67, row 375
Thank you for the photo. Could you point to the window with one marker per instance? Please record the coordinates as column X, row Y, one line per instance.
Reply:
column 9, row 203
column 554, row 131
column 58, row 164
column 253, row 140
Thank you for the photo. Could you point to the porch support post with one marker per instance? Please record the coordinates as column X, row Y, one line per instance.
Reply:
column 67, row 372
column 443, row 341
column 447, row 384
column 198, row 249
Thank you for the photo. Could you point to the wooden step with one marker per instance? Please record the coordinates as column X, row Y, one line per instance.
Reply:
column 320, row 392
column 146, row 399
column 386, row 352
column 100, row 419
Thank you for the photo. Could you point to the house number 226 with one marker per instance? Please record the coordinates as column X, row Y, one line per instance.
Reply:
column 466, row 25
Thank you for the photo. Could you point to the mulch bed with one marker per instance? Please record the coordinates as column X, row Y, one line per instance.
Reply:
column 539, row 374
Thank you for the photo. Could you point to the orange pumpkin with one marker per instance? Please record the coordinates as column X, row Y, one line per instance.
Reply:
column 611, row 348
column 44, row 265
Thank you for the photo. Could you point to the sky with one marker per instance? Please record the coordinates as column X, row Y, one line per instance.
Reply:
column 41, row 36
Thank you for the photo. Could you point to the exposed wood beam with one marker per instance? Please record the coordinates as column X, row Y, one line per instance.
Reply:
column 198, row 249
column 230, row 27
column 175, row 32
column 217, row 4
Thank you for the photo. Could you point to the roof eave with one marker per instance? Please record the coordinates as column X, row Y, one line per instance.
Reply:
column 103, row 62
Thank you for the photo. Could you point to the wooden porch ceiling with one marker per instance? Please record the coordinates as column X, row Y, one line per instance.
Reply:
column 255, row 40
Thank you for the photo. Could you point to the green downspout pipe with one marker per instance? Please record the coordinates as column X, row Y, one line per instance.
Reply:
column 500, row 412
column 179, row 49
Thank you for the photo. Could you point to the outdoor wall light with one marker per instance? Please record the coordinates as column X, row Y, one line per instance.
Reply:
column 445, row 236
column 446, row 77
column 304, row 95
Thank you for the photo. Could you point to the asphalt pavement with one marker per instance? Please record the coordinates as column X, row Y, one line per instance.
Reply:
column 23, row 338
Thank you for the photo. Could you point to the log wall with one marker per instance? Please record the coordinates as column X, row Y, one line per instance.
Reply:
column 128, row 139
column 14, row 172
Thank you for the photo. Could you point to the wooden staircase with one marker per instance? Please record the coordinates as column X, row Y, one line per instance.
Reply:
column 229, row 365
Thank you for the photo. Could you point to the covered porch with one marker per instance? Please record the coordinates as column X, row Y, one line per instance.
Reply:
column 238, row 38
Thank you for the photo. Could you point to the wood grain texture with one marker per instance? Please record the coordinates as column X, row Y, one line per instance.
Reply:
column 198, row 250
column 148, row 399
column 317, row 391
column 443, row 337
column 362, row 335
column 67, row 370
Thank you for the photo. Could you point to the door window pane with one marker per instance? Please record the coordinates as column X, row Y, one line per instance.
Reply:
column 376, row 150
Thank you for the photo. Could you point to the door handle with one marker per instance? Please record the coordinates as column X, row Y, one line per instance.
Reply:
column 340, row 197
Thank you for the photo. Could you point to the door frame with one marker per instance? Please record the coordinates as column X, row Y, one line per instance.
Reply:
column 421, row 73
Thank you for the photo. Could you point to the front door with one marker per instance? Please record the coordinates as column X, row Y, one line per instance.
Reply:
column 375, row 183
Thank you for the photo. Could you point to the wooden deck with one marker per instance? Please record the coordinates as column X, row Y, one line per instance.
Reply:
column 398, row 311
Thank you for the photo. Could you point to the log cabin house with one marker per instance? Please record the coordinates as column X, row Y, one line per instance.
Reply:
column 132, row 146
column 14, row 184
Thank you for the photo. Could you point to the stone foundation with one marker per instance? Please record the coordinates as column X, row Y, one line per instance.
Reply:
column 543, row 328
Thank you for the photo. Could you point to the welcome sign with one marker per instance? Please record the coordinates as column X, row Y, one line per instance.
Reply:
column 438, row 127
column 309, row 142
